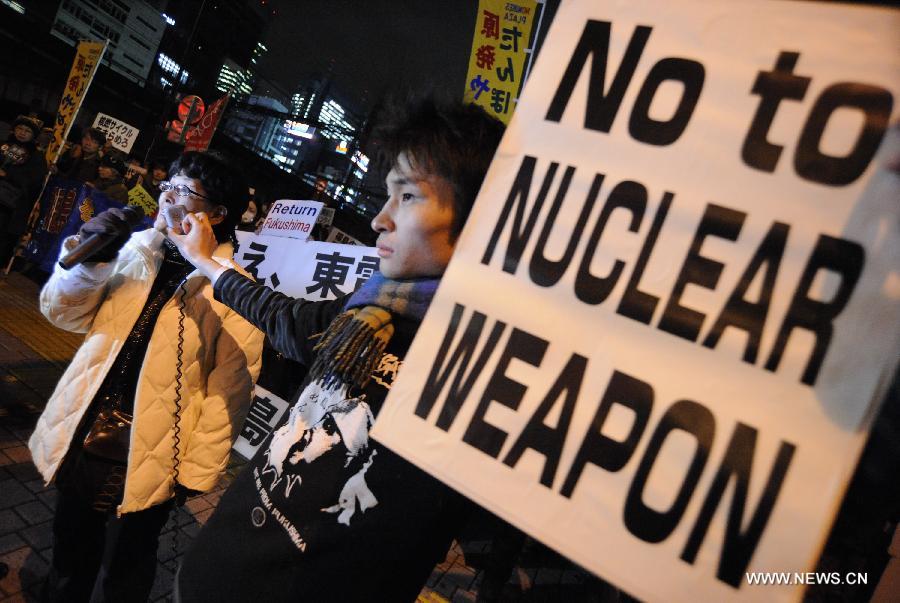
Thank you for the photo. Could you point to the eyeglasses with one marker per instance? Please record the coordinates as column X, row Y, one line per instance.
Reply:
column 182, row 190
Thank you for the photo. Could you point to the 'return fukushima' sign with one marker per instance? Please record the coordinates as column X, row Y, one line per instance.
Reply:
column 660, row 343
column 292, row 218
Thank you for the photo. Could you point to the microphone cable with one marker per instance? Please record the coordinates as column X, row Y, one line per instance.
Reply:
column 176, row 430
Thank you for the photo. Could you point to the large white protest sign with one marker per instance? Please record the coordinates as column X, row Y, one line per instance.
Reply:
column 291, row 218
column 308, row 269
column 673, row 308
column 119, row 134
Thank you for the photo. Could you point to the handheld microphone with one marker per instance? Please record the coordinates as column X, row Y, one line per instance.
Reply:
column 95, row 242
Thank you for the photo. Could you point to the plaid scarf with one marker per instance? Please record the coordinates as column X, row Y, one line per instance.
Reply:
column 351, row 347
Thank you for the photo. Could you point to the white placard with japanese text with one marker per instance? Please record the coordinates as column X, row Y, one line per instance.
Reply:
column 337, row 235
column 119, row 134
column 312, row 270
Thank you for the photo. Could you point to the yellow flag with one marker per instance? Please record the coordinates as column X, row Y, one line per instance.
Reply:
column 87, row 57
column 500, row 49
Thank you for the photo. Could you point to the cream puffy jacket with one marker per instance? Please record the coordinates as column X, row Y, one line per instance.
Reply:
column 221, row 360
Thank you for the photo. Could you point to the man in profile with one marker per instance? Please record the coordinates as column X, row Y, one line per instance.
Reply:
column 323, row 512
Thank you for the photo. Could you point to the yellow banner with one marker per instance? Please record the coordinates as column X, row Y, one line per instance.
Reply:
column 87, row 57
column 499, row 55
column 139, row 197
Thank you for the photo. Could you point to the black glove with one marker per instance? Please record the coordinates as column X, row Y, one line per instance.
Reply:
column 111, row 223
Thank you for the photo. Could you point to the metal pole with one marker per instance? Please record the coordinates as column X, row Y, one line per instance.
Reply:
column 537, row 34
column 175, row 85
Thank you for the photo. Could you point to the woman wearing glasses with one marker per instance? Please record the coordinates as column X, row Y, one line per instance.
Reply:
column 150, row 404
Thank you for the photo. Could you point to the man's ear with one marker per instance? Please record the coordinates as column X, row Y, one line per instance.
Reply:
column 218, row 214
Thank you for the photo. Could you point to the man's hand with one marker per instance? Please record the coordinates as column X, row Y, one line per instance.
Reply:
column 198, row 244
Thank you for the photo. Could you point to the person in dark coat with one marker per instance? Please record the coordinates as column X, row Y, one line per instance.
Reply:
column 22, row 170
column 323, row 512
column 156, row 173
column 82, row 161
column 111, row 178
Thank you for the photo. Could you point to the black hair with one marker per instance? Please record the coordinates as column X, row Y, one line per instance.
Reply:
column 448, row 139
column 96, row 135
column 224, row 184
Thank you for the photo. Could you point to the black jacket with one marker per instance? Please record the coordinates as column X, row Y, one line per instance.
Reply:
column 322, row 513
column 114, row 188
column 21, row 187
column 82, row 168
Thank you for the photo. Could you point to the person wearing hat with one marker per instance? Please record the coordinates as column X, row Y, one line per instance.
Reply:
column 25, row 129
column 81, row 161
column 22, row 171
column 110, row 180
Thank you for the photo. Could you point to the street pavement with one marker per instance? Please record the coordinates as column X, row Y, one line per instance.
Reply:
column 33, row 356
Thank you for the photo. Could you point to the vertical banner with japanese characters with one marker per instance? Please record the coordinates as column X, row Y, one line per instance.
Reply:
column 87, row 58
column 673, row 311
column 119, row 134
column 499, row 54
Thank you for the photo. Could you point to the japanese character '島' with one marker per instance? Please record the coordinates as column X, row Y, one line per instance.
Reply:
column 256, row 427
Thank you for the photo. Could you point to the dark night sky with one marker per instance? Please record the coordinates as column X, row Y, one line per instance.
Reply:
column 373, row 47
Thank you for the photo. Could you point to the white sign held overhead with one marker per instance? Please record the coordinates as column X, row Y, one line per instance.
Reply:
column 312, row 270
column 674, row 305
column 119, row 134
column 291, row 218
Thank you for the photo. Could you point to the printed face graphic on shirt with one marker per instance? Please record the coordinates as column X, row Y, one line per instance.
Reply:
column 317, row 460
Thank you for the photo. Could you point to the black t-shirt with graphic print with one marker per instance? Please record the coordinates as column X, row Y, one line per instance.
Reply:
column 322, row 512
